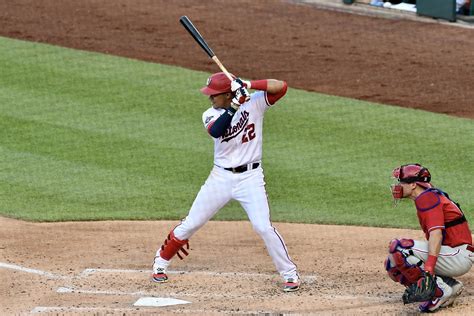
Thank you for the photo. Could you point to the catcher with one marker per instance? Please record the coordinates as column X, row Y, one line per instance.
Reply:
column 427, row 268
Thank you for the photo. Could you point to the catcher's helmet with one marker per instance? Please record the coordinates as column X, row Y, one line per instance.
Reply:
column 413, row 173
column 217, row 83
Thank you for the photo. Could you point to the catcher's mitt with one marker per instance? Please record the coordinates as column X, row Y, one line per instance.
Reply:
column 421, row 291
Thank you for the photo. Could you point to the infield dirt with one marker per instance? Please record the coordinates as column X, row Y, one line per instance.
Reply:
column 104, row 267
column 404, row 63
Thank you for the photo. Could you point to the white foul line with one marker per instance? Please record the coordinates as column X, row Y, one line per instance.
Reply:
column 34, row 271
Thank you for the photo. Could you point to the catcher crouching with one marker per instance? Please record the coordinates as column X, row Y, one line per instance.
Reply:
column 427, row 268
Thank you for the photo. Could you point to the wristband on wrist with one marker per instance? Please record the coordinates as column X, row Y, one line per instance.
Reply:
column 232, row 109
column 431, row 263
column 259, row 85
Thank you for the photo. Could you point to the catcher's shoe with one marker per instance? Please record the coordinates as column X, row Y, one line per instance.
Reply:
column 291, row 285
column 457, row 288
column 437, row 302
column 159, row 276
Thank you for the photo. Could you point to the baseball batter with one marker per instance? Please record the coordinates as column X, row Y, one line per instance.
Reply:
column 448, row 251
column 235, row 122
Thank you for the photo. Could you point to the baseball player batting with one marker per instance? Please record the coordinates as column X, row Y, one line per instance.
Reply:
column 235, row 123
column 427, row 268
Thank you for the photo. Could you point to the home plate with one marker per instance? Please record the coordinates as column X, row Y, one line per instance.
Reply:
column 158, row 301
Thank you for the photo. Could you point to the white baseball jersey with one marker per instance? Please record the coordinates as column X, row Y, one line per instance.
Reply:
column 240, row 145
column 242, row 142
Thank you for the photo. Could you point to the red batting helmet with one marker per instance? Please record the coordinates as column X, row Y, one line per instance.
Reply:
column 217, row 83
column 413, row 173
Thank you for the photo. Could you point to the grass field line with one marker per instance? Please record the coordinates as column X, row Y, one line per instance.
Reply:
column 90, row 271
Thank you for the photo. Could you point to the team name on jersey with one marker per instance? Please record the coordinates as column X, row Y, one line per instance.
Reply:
column 234, row 130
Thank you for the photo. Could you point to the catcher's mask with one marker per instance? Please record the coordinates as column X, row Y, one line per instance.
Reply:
column 218, row 83
column 411, row 173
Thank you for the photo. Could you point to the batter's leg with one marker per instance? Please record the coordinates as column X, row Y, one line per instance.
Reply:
column 214, row 194
column 252, row 196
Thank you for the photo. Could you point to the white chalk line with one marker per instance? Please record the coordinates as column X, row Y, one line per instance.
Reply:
column 214, row 295
column 49, row 309
column 88, row 272
column 33, row 271
column 141, row 293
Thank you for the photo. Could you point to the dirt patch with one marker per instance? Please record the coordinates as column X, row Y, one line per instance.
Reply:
column 104, row 268
column 406, row 63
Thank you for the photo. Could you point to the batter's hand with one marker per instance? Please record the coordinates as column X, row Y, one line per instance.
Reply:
column 238, row 83
column 241, row 96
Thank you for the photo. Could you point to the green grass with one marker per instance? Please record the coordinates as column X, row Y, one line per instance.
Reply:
column 88, row 136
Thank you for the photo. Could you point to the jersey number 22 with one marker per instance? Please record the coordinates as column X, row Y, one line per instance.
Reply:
column 249, row 133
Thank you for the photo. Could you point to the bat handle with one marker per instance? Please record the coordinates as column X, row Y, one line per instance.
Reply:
column 221, row 66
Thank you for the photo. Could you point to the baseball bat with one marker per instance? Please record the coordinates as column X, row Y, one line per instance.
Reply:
column 188, row 25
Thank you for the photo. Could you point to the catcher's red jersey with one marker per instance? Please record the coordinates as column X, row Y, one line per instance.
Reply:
column 435, row 210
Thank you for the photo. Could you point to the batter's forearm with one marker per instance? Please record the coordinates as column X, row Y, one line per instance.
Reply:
column 275, row 89
column 270, row 85
column 275, row 86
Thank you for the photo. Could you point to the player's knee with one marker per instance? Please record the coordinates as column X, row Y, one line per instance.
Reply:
column 262, row 229
column 401, row 265
column 399, row 244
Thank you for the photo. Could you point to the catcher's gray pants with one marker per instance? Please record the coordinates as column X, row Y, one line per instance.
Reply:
column 451, row 262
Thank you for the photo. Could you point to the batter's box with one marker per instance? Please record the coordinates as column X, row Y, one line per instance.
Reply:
column 231, row 291
column 184, row 283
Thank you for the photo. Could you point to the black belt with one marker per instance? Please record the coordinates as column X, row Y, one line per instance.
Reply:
column 243, row 168
column 470, row 248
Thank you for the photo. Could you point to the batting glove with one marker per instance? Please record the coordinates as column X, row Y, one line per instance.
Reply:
column 238, row 83
column 241, row 96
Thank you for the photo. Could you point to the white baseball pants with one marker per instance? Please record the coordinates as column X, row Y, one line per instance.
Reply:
column 248, row 188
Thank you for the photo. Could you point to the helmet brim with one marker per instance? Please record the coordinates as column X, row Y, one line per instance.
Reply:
column 208, row 91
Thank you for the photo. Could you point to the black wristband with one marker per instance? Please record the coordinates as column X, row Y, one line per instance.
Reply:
column 231, row 111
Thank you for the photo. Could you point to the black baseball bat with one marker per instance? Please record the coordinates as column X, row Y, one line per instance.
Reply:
column 189, row 26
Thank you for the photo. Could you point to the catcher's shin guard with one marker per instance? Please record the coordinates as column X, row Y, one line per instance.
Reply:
column 397, row 266
column 172, row 246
